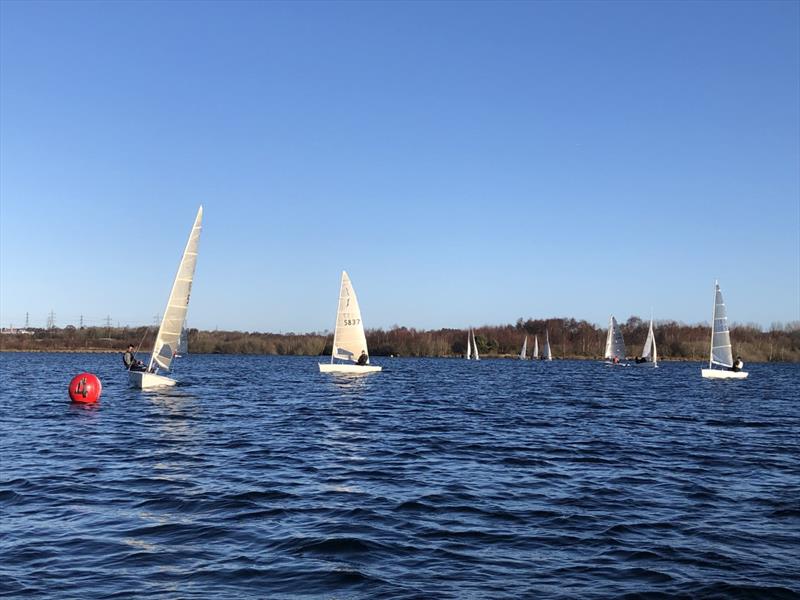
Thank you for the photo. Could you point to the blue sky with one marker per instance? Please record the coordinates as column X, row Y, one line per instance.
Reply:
column 467, row 163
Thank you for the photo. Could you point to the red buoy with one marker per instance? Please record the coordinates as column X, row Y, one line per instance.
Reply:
column 85, row 388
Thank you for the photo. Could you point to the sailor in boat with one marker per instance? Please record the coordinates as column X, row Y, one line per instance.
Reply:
column 616, row 360
column 129, row 358
column 362, row 360
column 738, row 364
column 640, row 360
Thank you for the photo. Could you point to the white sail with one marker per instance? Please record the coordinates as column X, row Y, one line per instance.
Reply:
column 169, row 332
column 615, row 345
column 535, row 347
column 469, row 345
column 524, row 352
column 649, row 351
column 348, row 338
column 721, row 351
column 475, row 347
column 548, row 354
column 183, row 342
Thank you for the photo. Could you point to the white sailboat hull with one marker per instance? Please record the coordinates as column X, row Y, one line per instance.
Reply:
column 351, row 369
column 720, row 374
column 143, row 380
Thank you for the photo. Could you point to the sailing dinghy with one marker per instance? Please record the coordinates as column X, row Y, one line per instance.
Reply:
column 469, row 345
column 475, row 354
column 547, row 354
column 649, row 352
column 535, row 347
column 721, row 354
column 615, row 345
column 349, row 340
column 167, row 342
column 523, row 354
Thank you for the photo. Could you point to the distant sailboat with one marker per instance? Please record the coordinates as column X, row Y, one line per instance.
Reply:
column 523, row 354
column 721, row 352
column 469, row 345
column 535, row 347
column 169, row 333
column 615, row 345
column 475, row 354
column 649, row 353
column 183, row 343
column 547, row 354
column 349, row 340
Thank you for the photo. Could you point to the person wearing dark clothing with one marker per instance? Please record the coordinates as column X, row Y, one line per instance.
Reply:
column 737, row 364
column 129, row 358
column 362, row 360
column 640, row 360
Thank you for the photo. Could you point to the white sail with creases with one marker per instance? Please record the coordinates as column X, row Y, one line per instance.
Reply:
column 469, row 345
column 349, row 340
column 535, row 347
column 169, row 333
column 721, row 351
column 615, row 345
column 649, row 352
column 475, row 347
column 548, row 354
column 524, row 352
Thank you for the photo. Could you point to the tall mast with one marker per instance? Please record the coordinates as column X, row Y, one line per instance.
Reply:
column 713, row 321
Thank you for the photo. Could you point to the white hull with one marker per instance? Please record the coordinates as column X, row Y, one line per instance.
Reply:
column 352, row 369
column 144, row 380
column 720, row 374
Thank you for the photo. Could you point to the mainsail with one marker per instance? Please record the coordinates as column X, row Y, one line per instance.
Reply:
column 721, row 351
column 548, row 354
column 469, row 345
column 348, row 338
column 649, row 351
column 524, row 352
column 535, row 347
column 475, row 347
column 615, row 345
column 169, row 333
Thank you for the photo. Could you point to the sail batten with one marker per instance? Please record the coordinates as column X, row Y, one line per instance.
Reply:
column 169, row 332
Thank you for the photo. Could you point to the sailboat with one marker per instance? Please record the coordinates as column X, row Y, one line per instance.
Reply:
column 169, row 332
column 721, row 352
column 535, row 347
column 523, row 354
column 475, row 354
column 547, row 354
column 615, row 345
column 649, row 352
column 349, row 340
column 469, row 345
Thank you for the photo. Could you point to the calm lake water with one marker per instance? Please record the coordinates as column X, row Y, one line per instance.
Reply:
column 260, row 477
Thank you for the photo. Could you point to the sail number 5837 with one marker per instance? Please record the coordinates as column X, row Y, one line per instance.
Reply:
column 352, row 321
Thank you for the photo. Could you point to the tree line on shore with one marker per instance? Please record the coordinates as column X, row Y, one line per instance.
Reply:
column 569, row 338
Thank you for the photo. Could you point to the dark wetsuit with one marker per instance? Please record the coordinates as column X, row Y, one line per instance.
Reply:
column 131, row 363
column 362, row 360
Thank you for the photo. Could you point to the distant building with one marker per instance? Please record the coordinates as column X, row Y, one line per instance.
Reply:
column 14, row 331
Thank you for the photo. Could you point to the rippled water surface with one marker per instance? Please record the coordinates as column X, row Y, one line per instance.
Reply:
column 260, row 477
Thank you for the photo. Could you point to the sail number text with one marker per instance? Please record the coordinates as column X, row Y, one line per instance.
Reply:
column 352, row 321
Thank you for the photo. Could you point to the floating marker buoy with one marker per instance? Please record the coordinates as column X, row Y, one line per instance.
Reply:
column 85, row 388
